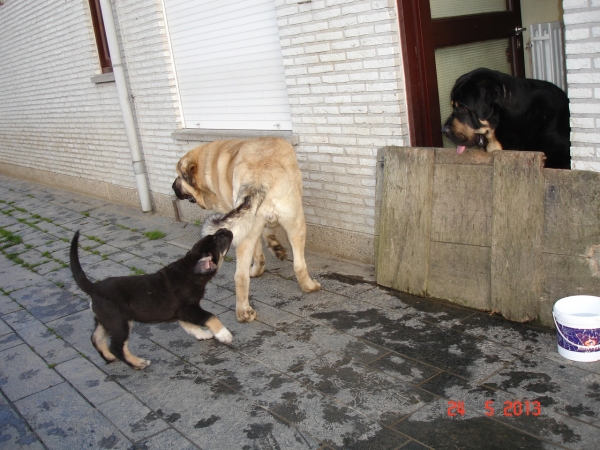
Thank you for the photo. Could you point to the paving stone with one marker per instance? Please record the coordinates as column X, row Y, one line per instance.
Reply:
column 133, row 418
column 352, row 366
column 517, row 409
column 90, row 381
column 167, row 439
column 336, row 425
column 46, row 344
column 19, row 319
column 266, row 344
column 173, row 338
column 374, row 393
column 262, row 384
column 433, row 426
column 9, row 341
column 157, row 251
column 48, row 302
column 4, row 328
column 406, row 369
column 332, row 340
column 16, row 277
column 224, row 419
column 513, row 334
column 443, row 348
column 79, row 425
column 14, row 431
column 8, row 305
column 23, row 373
column 569, row 391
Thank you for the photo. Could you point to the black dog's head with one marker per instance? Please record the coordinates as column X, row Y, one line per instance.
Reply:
column 476, row 101
column 210, row 251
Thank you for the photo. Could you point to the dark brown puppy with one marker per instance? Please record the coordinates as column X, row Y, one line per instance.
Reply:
column 495, row 111
column 172, row 293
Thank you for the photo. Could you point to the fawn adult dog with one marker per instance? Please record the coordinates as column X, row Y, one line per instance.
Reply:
column 255, row 186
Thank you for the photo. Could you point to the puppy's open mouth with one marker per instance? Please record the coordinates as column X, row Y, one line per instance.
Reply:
column 190, row 199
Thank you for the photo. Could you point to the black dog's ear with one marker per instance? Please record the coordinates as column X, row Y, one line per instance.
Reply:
column 205, row 265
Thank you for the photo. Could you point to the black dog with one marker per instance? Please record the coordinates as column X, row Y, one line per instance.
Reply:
column 495, row 111
column 172, row 293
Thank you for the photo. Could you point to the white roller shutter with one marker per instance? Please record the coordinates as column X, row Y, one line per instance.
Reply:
column 228, row 64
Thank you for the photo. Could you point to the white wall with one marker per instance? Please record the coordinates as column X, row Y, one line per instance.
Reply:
column 344, row 77
column 582, row 36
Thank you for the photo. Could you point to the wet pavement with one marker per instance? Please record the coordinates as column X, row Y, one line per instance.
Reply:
column 354, row 366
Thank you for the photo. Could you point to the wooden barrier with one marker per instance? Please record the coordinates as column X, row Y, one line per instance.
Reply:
column 495, row 232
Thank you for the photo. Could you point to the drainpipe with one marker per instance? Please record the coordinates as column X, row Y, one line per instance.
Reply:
column 134, row 146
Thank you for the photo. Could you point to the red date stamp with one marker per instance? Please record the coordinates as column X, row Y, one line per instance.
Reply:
column 510, row 408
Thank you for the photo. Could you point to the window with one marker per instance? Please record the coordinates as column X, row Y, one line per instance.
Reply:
column 228, row 64
column 100, row 33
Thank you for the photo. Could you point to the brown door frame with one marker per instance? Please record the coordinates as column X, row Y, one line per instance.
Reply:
column 420, row 36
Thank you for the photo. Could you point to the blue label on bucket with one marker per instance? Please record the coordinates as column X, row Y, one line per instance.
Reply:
column 582, row 337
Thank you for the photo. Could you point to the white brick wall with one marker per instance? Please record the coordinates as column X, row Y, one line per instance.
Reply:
column 343, row 72
column 582, row 43
column 52, row 117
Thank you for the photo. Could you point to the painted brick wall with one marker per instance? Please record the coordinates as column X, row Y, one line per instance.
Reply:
column 52, row 117
column 582, row 42
column 343, row 72
column 146, row 54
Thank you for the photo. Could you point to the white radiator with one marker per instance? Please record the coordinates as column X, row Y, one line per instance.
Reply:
column 548, row 54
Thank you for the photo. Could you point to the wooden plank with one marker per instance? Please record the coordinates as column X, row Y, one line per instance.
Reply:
column 518, row 211
column 461, row 274
column 468, row 157
column 462, row 204
column 563, row 276
column 405, row 224
column 572, row 211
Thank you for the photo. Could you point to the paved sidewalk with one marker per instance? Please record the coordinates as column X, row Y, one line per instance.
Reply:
column 352, row 366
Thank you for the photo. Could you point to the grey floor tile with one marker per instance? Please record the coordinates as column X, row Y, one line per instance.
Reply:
column 364, row 389
column 90, row 381
column 433, row 426
column 48, row 302
column 9, row 341
column 260, row 383
column 405, row 369
column 570, row 391
column 167, row 439
column 14, row 431
column 8, row 305
column 336, row 425
column 23, row 373
column 132, row 417
column 330, row 339
column 79, row 425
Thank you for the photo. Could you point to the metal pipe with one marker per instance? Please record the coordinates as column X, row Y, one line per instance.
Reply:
column 139, row 168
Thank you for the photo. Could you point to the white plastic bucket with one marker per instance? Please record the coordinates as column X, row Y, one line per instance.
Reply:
column 577, row 321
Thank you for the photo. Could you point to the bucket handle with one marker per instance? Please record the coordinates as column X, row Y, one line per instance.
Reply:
column 595, row 347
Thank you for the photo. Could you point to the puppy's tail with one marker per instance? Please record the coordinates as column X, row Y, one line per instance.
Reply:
column 80, row 278
column 240, row 219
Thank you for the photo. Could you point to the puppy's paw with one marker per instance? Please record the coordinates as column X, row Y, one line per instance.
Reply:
column 224, row 336
column 202, row 335
column 245, row 315
column 142, row 364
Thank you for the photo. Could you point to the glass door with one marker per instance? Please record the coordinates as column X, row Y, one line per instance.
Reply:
column 444, row 39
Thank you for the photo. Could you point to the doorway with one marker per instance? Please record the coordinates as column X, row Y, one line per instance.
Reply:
column 443, row 39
